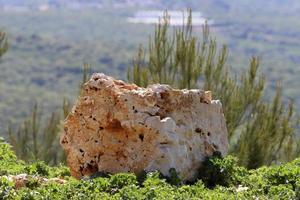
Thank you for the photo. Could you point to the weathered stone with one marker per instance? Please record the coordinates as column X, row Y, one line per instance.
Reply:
column 118, row 127
column 21, row 180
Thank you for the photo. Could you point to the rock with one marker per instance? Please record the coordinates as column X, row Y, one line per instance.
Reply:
column 21, row 180
column 119, row 127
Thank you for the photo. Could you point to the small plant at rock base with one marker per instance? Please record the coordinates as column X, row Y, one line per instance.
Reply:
column 174, row 178
column 216, row 170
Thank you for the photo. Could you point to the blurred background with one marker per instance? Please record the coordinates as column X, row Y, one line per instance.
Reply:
column 50, row 41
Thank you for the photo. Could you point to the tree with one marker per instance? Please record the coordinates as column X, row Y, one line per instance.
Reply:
column 180, row 59
column 37, row 139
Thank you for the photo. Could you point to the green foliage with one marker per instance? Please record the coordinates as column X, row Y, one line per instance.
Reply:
column 8, row 160
column 218, row 171
column 39, row 168
column 6, row 189
column 121, row 180
column 269, row 136
column 174, row 60
column 173, row 179
column 37, row 139
column 259, row 132
column 234, row 182
column 10, row 165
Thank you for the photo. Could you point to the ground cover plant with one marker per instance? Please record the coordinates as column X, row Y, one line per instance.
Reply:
column 219, row 178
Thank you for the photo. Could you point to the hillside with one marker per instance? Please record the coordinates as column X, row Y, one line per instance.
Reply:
column 48, row 49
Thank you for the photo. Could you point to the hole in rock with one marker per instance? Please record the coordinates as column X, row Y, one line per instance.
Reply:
column 208, row 133
column 141, row 136
column 215, row 146
column 90, row 169
column 164, row 143
column 198, row 130
column 64, row 141
column 164, row 95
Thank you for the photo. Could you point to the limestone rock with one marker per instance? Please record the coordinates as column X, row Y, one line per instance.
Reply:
column 21, row 180
column 118, row 127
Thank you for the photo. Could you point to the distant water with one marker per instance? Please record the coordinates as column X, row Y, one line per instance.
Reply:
column 176, row 17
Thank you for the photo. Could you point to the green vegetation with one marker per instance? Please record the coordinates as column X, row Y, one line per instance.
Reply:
column 38, row 139
column 261, row 133
column 218, row 179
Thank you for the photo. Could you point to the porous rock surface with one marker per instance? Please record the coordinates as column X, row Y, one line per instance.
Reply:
column 119, row 127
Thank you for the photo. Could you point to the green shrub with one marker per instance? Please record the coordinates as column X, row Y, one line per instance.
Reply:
column 173, row 179
column 38, row 168
column 6, row 189
column 281, row 192
column 121, row 180
column 8, row 160
column 274, row 182
column 154, row 179
column 297, row 190
column 219, row 171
